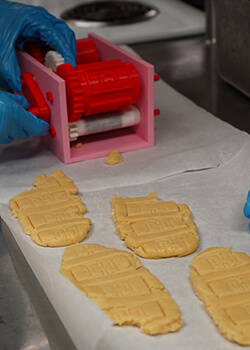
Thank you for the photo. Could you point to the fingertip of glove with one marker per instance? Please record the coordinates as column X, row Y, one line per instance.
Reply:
column 45, row 129
column 42, row 128
column 35, row 127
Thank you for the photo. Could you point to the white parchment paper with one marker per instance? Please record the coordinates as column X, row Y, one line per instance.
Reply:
column 198, row 160
column 187, row 138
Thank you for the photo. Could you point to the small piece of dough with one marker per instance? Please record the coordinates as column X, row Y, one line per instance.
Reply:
column 154, row 228
column 78, row 145
column 127, row 292
column 221, row 279
column 114, row 157
column 51, row 213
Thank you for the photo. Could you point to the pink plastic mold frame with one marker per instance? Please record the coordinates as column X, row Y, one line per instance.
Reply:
column 101, row 144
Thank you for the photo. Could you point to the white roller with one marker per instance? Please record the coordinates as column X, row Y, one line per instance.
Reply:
column 104, row 122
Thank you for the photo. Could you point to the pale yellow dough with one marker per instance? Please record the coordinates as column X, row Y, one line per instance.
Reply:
column 127, row 292
column 114, row 157
column 221, row 279
column 153, row 228
column 52, row 213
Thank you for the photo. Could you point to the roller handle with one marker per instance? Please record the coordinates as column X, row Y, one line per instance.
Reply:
column 38, row 105
column 31, row 91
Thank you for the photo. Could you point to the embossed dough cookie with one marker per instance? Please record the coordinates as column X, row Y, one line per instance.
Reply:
column 153, row 228
column 51, row 214
column 221, row 279
column 127, row 292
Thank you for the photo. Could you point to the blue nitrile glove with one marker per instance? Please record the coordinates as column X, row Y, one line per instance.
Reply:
column 247, row 208
column 15, row 121
column 20, row 23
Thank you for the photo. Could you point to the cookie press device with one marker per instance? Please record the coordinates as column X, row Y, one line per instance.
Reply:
column 105, row 102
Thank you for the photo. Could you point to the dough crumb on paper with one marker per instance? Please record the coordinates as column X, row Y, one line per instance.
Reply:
column 114, row 157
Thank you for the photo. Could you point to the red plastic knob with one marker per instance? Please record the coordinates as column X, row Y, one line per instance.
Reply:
column 52, row 131
column 86, row 51
column 49, row 96
column 157, row 112
column 156, row 77
column 99, row 87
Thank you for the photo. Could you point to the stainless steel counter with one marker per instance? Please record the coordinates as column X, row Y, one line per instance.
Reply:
column 27, row 319
column 189, row 65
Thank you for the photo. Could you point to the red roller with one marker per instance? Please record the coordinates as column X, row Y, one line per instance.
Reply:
column 99, row 87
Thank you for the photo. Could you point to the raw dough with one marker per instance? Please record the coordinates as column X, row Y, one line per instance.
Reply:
column 221, row 279
column 52, row 214
column 114, row 157
column 127, row 292
column 154, row 228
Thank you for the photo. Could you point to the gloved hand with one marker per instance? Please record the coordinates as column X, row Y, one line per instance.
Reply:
column 247, row 208
column 20, row 23
column 15, row 121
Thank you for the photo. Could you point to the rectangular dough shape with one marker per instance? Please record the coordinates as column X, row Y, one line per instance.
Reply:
column 61, row 234
column 52, row 212
column 128, row 293
column 154, row 228
column 35, row 217
column 221, row 279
